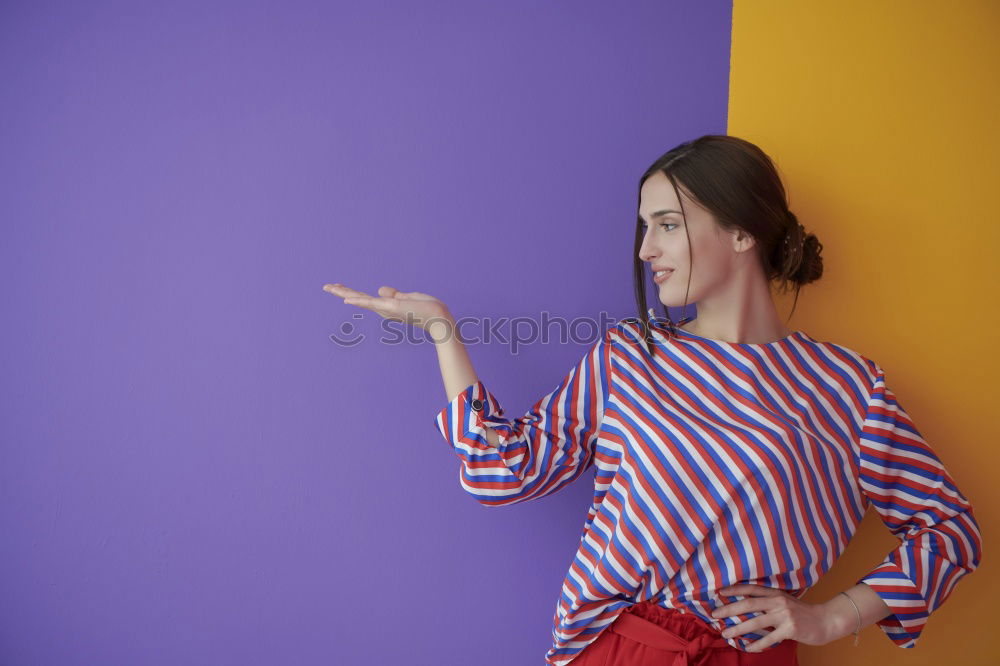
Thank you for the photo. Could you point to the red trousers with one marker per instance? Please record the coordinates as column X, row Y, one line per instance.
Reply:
column 646, row 634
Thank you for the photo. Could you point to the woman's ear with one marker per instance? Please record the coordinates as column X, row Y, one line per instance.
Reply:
column 743, row 241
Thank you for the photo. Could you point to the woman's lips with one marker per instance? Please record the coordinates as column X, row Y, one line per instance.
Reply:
column 659, row 279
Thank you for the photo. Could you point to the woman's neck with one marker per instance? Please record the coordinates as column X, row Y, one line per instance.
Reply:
column 744, row 315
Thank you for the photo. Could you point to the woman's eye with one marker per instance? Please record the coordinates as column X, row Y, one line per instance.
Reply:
column 644, row 227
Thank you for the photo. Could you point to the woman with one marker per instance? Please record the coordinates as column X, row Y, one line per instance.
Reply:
column 734, row 457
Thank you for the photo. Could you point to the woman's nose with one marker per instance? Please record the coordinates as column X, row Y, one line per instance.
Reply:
column 646, row 251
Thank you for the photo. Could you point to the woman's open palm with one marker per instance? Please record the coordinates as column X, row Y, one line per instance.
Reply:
column 411, row 307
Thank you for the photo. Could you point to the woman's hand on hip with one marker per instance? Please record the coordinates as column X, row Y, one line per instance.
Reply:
column 789, row 616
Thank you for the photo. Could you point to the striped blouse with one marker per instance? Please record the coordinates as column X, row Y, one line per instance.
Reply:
column 719, row 463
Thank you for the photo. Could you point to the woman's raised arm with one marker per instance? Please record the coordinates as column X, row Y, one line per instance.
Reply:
column 433, row 316
column 505, row 461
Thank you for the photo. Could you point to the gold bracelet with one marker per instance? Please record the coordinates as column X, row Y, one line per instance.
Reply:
column 859, row 618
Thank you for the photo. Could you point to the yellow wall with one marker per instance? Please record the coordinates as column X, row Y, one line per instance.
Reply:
column 882, row 118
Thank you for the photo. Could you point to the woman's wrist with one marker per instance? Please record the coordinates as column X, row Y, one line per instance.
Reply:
column 841, row 617
column 441, row 327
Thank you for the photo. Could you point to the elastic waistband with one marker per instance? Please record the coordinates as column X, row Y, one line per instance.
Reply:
column 648, row 633
column 687, row 635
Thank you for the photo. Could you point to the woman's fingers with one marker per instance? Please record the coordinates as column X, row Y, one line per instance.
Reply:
column 413, row 307
column 383, row 303
column 384, row 291
column 392, row 292
column 355, row 297
column 340, row 290
column 374, row 302
column 384, row 307
column 337, row 289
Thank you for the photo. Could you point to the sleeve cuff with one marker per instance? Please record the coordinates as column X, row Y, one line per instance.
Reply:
column 909, row 608
column 463, row 421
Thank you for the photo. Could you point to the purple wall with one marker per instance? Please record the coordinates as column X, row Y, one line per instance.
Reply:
column 192, row 471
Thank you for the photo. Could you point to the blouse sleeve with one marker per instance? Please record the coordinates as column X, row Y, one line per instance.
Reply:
column 919, row 502
column 538, row 453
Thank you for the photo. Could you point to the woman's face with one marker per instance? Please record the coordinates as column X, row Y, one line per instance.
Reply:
column 665, row 245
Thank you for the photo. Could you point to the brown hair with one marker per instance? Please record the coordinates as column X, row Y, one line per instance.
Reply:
column 737, row 182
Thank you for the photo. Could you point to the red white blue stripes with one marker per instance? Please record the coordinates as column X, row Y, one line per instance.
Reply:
column 920, row 503
column 721, row 463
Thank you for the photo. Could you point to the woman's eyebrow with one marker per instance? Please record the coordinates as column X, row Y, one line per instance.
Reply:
column 661, row 213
